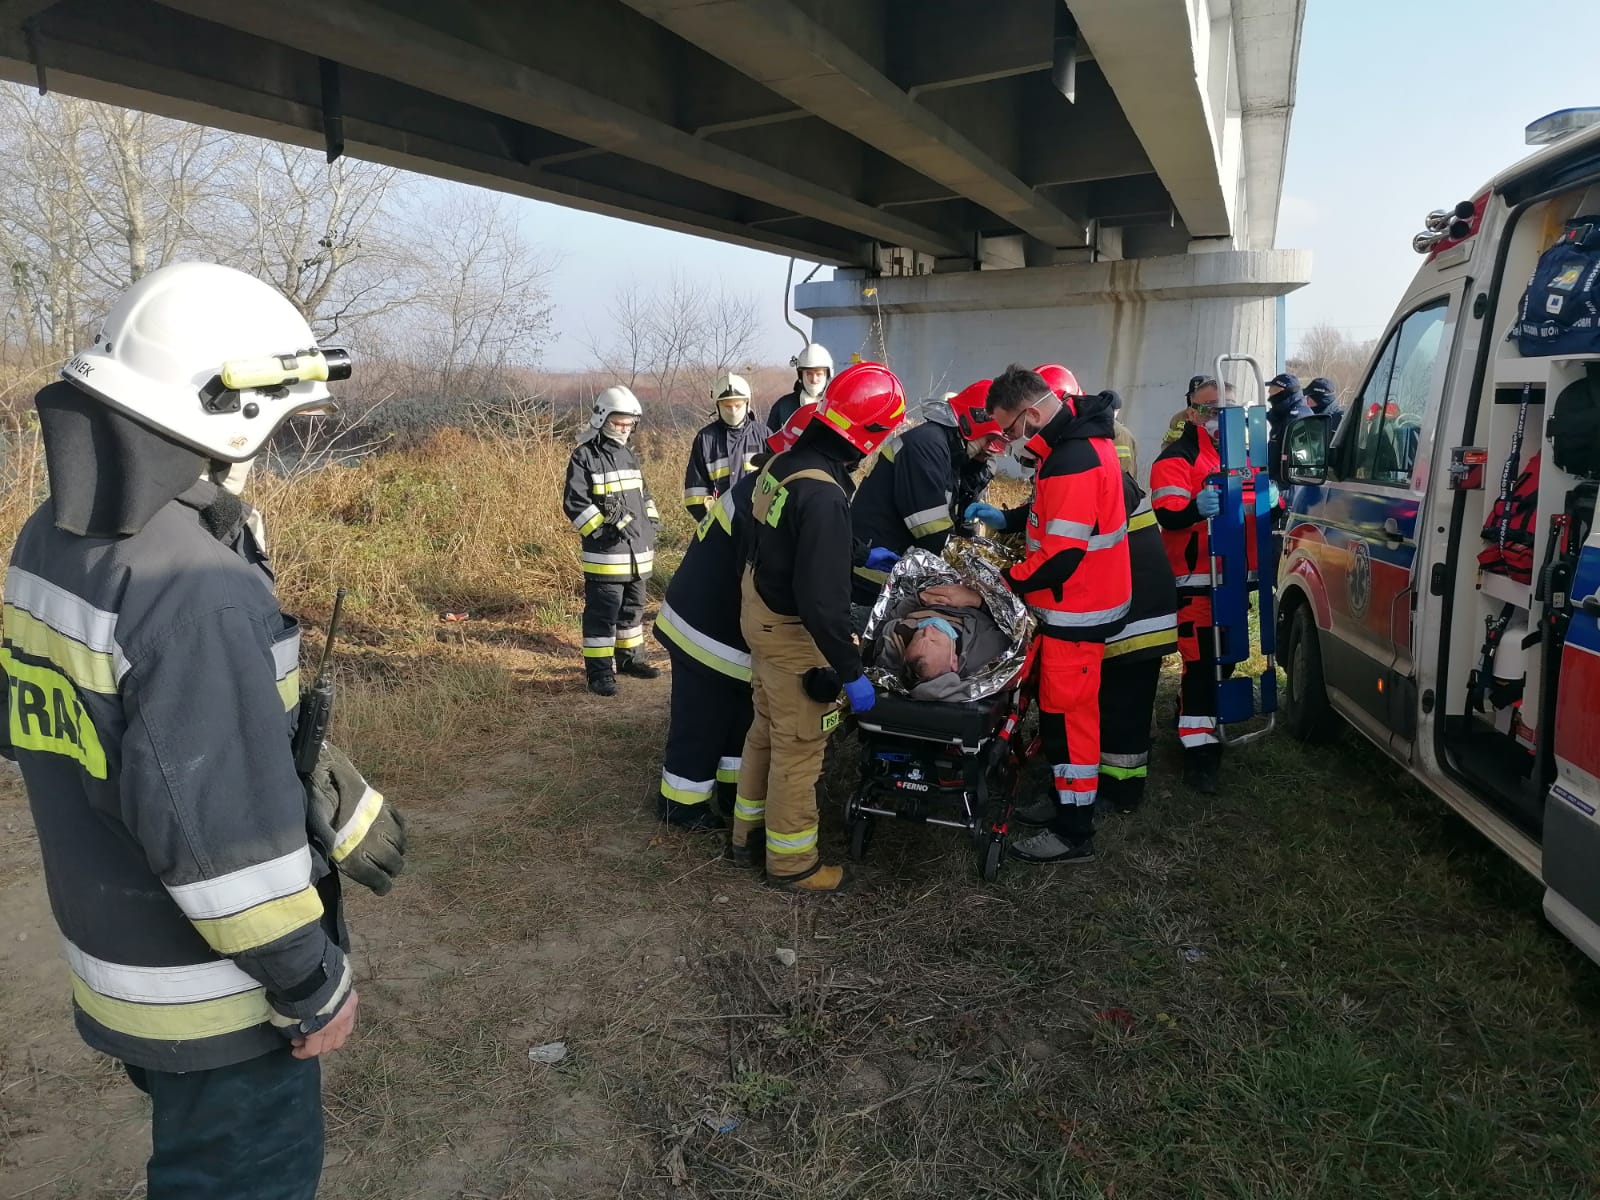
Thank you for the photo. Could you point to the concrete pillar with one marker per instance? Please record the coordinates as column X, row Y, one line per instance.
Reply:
column 1141, row 326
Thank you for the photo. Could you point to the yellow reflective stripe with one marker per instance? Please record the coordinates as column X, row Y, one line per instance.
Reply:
column 289, row 689
column 590, row 568
column 838, row 418
column 686, row 791
column 625, row 485
column 650, row 510
column 749, row 810
column 871, row 575
column 791, row 843
column 592, row 524
column 685, row 640
column 174, row 1022
column 936, row 526
column 1141, row 521
column 349, row 837
column 92, row 670
column 597, row 652
column 1146, row 641
column 44, row 713
column 629, row 642
column 720, row 472
column 728, row 770
column 262, row 924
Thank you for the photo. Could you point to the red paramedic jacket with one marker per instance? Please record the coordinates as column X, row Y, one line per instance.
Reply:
column 1076, row 575
column 1176, row 477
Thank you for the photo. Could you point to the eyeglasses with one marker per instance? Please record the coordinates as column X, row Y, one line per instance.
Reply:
column 1012, row 433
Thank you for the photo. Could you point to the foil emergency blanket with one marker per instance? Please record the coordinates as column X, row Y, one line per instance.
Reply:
column 975, row 562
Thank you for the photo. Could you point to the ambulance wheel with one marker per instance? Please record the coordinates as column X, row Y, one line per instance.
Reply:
column 990, row 856
column 1304, row 707
column 860, row 838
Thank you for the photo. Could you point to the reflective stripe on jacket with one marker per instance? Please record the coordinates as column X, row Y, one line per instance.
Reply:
column 1177, row 477
column 1152, row 627
column 152, row 685
column 609, row 504
column 700, row 612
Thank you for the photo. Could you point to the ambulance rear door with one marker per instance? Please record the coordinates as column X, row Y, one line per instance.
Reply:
column 1572, row 809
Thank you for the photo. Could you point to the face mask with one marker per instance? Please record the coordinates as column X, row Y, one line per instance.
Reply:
column 233, row 479
column 618, row 434
column 813, row 389
column 1210, row 424
column 733, row 412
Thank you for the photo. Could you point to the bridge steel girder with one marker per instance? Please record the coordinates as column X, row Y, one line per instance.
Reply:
column 368, row 37
column 782, row 47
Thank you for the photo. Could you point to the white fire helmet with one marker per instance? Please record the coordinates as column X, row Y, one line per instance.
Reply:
column 731, row 396
column 815, row 355
column 614, row 401
column 211, row 357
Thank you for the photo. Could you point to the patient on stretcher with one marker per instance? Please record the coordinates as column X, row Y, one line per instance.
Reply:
column 938, row 638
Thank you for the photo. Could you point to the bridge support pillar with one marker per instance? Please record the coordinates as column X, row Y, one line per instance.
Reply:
column 1142, row 326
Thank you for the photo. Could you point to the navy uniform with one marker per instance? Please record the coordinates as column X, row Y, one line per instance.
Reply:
column 610, row 506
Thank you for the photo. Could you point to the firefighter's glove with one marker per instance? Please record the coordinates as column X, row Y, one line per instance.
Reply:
column 822, row 684
column 366, row 833
column 881, row 558
column 1208, row 503
column 861, row 694
column 987, row 513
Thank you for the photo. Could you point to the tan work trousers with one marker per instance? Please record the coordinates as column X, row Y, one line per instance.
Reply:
column 783, row 750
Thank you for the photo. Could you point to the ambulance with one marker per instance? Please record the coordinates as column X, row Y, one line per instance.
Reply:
column 1439, row 584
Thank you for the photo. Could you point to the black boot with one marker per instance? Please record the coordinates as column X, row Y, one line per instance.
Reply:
column 1200, row 768
column 631, row 662
column 602, row 681
column 688, row 818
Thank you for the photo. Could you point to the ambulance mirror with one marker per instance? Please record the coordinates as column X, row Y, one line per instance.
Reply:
column 1305, row 450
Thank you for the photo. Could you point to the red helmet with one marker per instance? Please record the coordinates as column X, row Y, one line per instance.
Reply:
column 864, row 404
column 974, row 420
column 786, row 437
column 1062, row 381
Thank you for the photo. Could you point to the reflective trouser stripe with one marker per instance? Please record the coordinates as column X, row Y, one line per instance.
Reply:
column 1197, row 731
column 728, row 769
column 628, row 638
column 753, row 811
column 1124, row 772
column 686, row 791
column 598, row 647
column 792, row 843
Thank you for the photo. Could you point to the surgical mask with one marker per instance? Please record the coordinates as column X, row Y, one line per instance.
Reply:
column 1210, row 424
column 941, row 625
column 733, row 412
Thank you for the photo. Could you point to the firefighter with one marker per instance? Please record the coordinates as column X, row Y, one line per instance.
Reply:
column 813, row 368
column 610, row 506
column 922, row 480
column 724, row 451
column 1183, row 504
column 151, row 695
column 796, row 621
column 1076, row 580
column 699, row 626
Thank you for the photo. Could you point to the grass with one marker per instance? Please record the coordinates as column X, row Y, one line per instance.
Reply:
column 1319, row 984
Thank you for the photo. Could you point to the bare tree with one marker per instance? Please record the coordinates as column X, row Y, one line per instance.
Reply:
column 1326, row 351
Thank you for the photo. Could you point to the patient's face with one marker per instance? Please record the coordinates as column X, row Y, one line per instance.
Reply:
column 930, row 653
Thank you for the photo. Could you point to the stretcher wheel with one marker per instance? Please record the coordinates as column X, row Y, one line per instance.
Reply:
column 860, row 838
column 990, row 856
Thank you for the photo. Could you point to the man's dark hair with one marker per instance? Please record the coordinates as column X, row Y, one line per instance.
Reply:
column 1016, row 388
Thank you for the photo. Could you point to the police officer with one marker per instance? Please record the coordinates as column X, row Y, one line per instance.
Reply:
column 1322, row 398
column 699, row 626
column 151, row 693
column 796, row 620
column 1183, row 504
column 1285, row 403
column 922, row 480
column 1076, row 579
column 725, row 450
column 610, row 506
column 813, row 368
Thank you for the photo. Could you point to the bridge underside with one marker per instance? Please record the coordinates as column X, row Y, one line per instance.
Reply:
column 904, row 136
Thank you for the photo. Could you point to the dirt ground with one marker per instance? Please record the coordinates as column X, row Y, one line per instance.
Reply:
column 1319, row 985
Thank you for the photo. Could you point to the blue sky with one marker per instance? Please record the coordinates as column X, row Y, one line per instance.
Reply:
column 1403, row 106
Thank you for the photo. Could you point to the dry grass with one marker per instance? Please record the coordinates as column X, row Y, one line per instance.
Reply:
column 1318, row 985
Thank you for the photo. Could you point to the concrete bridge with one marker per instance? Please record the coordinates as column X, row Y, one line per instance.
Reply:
column 1092, row 181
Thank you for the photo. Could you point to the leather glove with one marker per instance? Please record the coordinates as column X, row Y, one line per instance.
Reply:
column 367, row 833
column 881, row 558
column 1209, row 502
column 821, row 684
column 987, row 513
column 861, row 694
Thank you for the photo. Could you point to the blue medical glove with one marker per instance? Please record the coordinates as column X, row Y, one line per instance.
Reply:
column 987, row 513
column 881, row 558
column 861, row 694
column 1273, row 494
column 1208, row 502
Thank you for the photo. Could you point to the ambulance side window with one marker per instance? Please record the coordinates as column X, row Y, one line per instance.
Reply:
column 1390, row 408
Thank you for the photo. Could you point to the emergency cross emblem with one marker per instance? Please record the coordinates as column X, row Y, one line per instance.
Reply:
column 1359, row 584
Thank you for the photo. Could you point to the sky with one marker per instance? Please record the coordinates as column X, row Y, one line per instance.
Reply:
column 1402, row 107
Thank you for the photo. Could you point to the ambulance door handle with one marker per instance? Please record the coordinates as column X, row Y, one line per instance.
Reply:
column 1391, row 532
column 1591, row 605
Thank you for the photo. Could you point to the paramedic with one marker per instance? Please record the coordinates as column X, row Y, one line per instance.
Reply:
column 724, row 450
column 796, row 620
column 813, row 367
